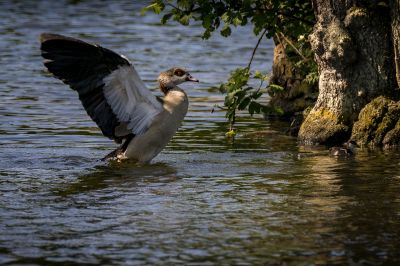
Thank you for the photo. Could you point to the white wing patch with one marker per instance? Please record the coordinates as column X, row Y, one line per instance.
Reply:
column 130, row 100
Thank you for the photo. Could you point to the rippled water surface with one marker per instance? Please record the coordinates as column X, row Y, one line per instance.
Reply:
column 258, row 200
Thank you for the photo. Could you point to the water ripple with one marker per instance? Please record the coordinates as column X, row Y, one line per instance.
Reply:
column 258, row 199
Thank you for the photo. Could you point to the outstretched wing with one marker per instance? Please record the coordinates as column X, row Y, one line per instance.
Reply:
column 109, row 87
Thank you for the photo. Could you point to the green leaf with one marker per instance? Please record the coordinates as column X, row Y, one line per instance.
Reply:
column 222, row 88
column 225, row 17
column 228, row 100
column 206, row 34
column 165, row 18
column 274, row 88
column 226, row 31
column 312, row 77
column 184, row 20
column 230, row 134
column 244, row 103
column 184, row 3
column 251, row 108
column 207, row 21
column 256, row 95
column 236, row 21
column 258, row 75
column 156, row 7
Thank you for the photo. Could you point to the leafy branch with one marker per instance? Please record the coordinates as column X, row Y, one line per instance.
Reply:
column 240, row 96
column 283, row 20
column 291, row 17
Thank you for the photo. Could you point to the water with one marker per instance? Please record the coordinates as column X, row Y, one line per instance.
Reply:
column 258, row 200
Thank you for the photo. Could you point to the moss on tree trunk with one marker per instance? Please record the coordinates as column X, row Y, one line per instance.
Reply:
column 378, row 124
column 353, row 49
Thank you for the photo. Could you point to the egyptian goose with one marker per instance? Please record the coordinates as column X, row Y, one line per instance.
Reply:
column 347, row 149
column 116, row 98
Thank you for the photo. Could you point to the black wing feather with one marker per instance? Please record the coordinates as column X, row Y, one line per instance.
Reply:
column 83, row 67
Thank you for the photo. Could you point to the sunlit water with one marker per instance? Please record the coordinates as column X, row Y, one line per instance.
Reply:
column 258, row 200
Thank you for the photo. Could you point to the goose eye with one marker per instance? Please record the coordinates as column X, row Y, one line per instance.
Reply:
column 179, row 72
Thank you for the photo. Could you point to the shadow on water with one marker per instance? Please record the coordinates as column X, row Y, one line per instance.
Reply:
column 120, row 174
column 356, row 203
column 371, row 215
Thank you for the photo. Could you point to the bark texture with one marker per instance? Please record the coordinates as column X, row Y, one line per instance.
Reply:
column 395, row 25
column 353, row 49
column 297, row 94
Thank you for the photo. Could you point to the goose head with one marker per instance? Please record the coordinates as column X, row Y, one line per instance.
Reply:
column 173, row 77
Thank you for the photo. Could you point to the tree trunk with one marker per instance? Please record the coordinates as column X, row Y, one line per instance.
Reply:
column 298, row 94
column 395, row 24
column 354, row 51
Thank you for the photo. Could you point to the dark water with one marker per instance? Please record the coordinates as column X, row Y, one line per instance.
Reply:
column 260, row 200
